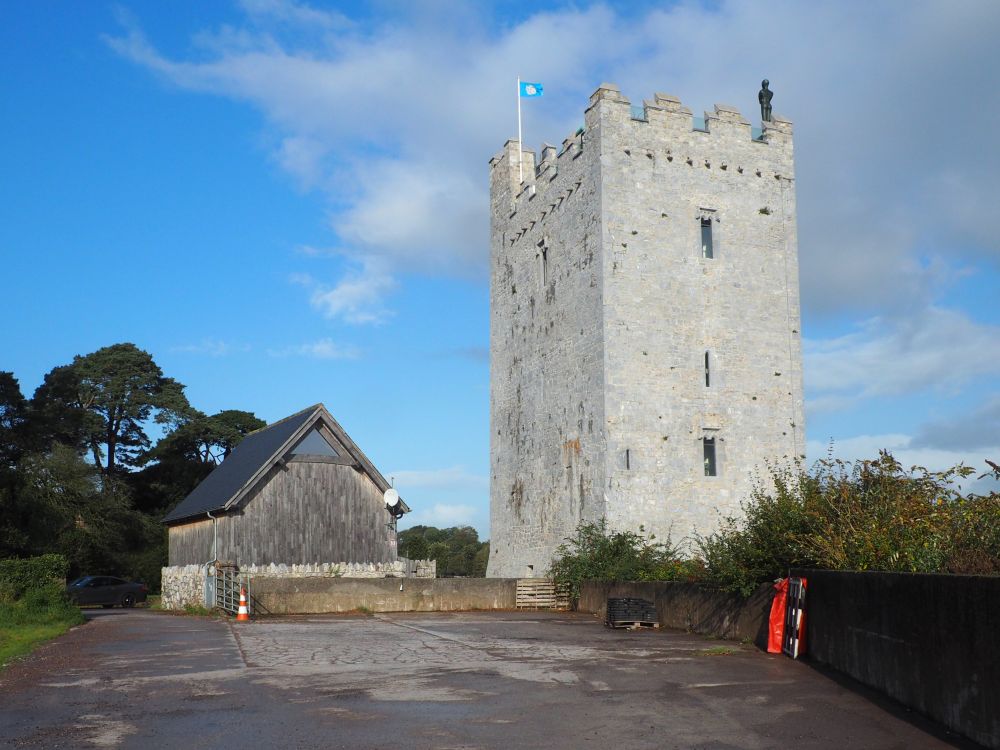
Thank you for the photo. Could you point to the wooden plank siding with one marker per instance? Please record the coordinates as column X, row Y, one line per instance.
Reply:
column 301, row 512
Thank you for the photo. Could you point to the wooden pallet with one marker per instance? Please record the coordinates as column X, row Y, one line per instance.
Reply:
column 540, row 593
column 633, row 624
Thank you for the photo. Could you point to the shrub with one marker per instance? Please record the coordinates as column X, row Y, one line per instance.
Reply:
column 975, row 533
column 19, row 575
column 766, row 539
column 597, row 554
column 874, row 515
column 41, row 605
column 862, row 515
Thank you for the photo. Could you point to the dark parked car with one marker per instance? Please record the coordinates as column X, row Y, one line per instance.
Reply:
column 106, row 591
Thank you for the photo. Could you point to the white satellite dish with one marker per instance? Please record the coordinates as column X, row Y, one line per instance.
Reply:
column 391, row 497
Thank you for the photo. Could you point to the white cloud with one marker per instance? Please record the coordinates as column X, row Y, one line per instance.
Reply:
column 359, row 297
column 932, row 348
column 452, row 478
column 976, row 429
column 321, row 349
column 211, row 347
column 295, row 13
column 394, row 120
column 443, row 515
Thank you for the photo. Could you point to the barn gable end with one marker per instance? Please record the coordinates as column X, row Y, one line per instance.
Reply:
column 298, row 491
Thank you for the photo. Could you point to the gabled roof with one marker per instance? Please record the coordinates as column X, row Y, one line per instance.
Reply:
column 231, row 480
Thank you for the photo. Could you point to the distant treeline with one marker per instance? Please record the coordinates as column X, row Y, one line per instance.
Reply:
column 79, row 474
column 457, row 550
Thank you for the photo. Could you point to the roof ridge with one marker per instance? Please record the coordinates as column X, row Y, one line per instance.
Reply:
column 300, row 412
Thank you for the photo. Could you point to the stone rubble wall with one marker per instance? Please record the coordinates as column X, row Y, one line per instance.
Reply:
column 184, row 585
column 402, row 568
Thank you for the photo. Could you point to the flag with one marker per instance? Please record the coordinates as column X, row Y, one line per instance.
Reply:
column 530, row 89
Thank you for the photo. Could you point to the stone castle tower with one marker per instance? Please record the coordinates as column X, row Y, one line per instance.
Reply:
column 645, row 351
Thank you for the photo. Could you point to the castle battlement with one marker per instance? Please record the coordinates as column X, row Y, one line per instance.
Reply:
column 663, row 130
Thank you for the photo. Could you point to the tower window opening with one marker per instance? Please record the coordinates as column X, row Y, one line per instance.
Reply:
column 706, row 238
column 545, row 265
column 708, row 372
column 708, row 448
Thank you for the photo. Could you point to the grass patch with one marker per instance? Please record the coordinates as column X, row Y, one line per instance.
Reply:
column 718, row 651
column 362, row 610
column 41, row 614
column 199, row 611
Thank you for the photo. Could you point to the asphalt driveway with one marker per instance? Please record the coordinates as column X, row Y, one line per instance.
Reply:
column 139, row 679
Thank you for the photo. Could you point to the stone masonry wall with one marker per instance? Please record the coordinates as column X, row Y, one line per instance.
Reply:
column 665, row 306
column 546, row 362
column 602, row 311
column 182, row 585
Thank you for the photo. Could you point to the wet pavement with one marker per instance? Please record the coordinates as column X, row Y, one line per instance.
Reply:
column 140, row 679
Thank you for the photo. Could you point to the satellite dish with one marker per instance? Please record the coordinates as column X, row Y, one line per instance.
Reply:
column 391, row 497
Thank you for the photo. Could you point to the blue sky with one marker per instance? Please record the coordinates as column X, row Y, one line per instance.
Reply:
column 287, row 203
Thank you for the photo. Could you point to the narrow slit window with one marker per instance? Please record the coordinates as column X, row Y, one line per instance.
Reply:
column 706, row 238
column 708, row 372
column 545, row 265
column 708, row 447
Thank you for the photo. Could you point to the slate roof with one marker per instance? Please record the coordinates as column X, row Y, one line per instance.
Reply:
column 260, row 448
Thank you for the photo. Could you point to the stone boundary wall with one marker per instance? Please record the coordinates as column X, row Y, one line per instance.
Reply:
column 690, row 606
column 402, row 568
column 184, row 585
column 929, row 641
column 181, row 586
column 314, row 595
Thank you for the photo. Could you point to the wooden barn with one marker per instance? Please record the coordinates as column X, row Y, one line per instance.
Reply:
column 298, row 491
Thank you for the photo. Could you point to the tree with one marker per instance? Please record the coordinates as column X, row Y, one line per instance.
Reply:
column 208, row 440
column 182, row 459
column 13, row 411
column 457, row 550
column 103, row 401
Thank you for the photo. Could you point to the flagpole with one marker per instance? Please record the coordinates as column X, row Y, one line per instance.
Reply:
column 520, row 149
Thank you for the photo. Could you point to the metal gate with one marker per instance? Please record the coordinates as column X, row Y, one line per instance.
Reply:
column 228, row 583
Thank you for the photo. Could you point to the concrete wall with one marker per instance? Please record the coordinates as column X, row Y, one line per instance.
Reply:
column 931, row 642
column 688, row 606
column 319, row 595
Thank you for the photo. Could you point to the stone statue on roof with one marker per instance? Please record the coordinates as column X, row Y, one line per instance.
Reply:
column 764, row 97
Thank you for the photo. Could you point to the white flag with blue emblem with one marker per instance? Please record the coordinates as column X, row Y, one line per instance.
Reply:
column 530, row 89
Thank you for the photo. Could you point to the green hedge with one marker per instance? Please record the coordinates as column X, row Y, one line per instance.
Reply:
column 21, row 575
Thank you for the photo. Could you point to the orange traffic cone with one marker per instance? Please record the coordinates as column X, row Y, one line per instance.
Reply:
column 244, row 614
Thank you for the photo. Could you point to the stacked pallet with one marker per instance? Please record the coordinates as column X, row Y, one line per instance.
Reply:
column 629, row 612
column 541, row 593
